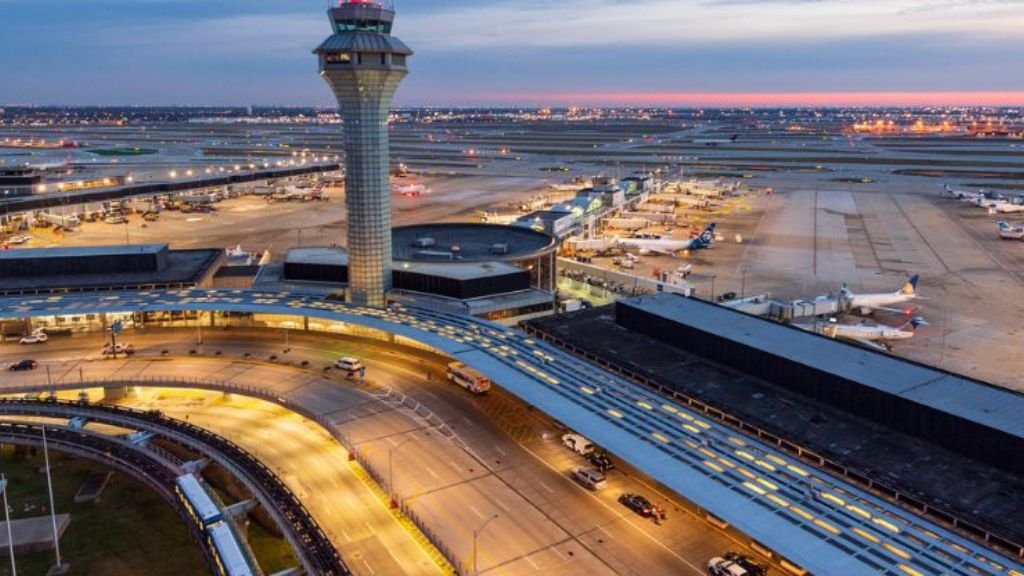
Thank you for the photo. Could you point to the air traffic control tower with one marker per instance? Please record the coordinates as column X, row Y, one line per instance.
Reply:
column 363, row 64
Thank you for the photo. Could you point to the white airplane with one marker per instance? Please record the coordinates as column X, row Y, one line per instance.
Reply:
column 1007, row 232
column 866, row 303
column 411, row 190
column 669, row 246
column 876, row 337
column 1007, row 207
column 962, row 194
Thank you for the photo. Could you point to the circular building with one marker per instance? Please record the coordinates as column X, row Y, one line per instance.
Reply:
column 467, row 243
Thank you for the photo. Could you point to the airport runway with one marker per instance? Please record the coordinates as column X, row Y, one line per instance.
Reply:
column 545, row 521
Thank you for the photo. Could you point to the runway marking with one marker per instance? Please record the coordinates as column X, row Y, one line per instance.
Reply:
column 500, row 451
column 504, row 506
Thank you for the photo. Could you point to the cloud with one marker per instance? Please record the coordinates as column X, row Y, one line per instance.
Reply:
column 532, row 23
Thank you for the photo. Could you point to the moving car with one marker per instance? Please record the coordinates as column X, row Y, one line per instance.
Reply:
column 637, row 503
column 23, row 365
column 119, row 348
column 349, row 364
column 37, row 337
column 589, row 477
column 735, row 564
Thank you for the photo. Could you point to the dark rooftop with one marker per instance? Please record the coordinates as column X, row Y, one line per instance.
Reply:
column 475, row 242
column 973, row 490
column 183, row 268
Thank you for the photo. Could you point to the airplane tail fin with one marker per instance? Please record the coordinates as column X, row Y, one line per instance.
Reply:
column 706, row 237
column 911, row 286
column 915, row 323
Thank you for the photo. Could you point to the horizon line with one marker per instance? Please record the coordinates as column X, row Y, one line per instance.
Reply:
column 667, row 100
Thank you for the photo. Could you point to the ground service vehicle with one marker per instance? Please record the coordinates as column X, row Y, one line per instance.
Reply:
column 577, row 443
column 589, row 477
column 468, row 378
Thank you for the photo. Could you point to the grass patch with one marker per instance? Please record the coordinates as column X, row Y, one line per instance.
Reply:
column 129, row 531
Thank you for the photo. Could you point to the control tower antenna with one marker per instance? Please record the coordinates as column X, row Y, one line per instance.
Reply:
column 363, row 64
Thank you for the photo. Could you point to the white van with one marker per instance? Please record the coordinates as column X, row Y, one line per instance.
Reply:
column 349, row 364
column 577, row 443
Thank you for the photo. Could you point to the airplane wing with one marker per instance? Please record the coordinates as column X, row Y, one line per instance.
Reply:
column 870, row 344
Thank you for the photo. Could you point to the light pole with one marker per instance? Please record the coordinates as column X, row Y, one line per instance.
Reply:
column 7, row 517
column 476, row 534
column 743, row 282
column 49, row 486
column 391, row 470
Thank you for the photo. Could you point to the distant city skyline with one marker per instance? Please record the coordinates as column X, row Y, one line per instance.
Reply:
column 526, row 52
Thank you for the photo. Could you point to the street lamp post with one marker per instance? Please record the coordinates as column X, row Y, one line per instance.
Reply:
column 7, row 517
column 53, row 511
column 476, row 534
column 391, row 470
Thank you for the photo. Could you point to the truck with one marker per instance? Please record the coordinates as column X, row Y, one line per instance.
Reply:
column 65, row 222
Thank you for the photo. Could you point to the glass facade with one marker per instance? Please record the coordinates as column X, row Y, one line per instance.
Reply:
column 364, row 84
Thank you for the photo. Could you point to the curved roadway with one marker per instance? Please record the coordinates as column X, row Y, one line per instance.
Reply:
column 808, row 517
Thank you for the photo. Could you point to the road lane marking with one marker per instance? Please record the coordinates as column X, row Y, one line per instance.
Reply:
column 545, row 486
column 477, row 512
column 431, row 470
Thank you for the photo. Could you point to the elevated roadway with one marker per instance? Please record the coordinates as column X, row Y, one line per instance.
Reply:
column 807, row 517
column 308, row 540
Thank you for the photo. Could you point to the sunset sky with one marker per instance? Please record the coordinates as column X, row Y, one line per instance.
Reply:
column 525, row 52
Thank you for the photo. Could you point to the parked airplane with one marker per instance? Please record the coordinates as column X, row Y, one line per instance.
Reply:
column 668, row 246
column 1010, row 206
column 876, row 337
column 411, row 190
column 1007, row 232
column 866, row 303
column 962, row 194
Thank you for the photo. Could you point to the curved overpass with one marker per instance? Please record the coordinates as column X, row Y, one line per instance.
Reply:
column 807, row 517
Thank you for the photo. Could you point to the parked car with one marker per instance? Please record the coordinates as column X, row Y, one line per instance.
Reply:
column 638, row 504
column 589, row 477
column 577, row 443
column 23, row 366
column 37, row 337
column 601, row 461
column 735, row 564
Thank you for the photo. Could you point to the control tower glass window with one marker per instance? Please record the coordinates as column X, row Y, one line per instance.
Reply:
column 362, row 26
